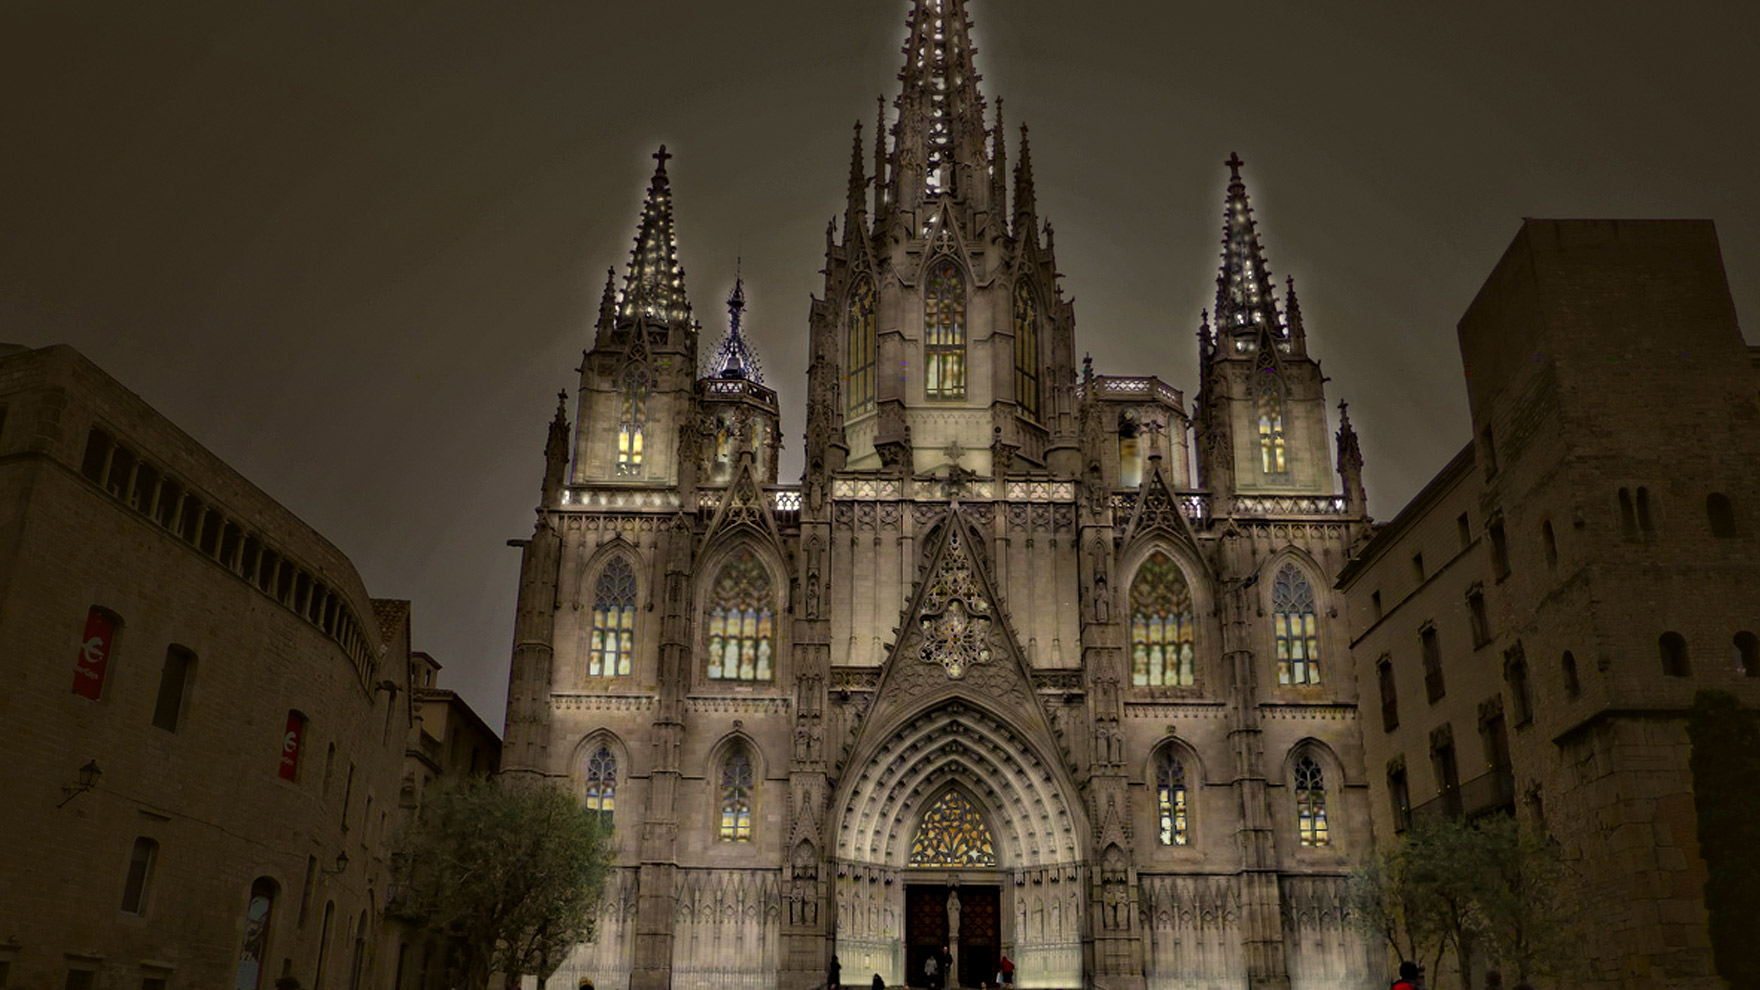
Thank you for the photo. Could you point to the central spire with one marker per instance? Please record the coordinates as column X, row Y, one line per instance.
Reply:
column 654, row 284
column 938, row 142
column 1244, row 303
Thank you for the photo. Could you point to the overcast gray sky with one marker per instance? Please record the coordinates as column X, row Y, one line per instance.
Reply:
column 356, row 248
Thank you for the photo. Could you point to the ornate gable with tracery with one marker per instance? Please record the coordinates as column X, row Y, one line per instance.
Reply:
column 956, row 617
column 952, row 833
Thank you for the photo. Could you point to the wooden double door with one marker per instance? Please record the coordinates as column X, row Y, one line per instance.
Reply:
column 979, row 937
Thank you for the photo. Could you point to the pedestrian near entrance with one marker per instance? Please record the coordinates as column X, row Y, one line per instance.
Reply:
column 1408, row 977
column 834, row 974
column 879, row 982
column 1005, row 976
column 932, row 971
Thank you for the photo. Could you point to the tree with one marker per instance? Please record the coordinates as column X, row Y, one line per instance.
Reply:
column 1527, row 915
column 1725, row 763
column 510, row 872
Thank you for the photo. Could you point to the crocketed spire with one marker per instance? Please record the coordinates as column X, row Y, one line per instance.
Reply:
column 735, row 357
column 1244, row 303
column 940, row 125
column 654, row 284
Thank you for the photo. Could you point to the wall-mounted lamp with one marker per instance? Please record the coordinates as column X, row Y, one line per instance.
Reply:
column 88, row 779
column 341, row 865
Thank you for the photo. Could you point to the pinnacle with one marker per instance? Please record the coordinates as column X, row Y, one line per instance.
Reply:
column 735, row 357
column 654, row 284
column 1244, row 302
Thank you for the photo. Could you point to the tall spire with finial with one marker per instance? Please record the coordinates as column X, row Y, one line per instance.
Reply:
column 941, row 133
column 1026, row 204
column 999, row 166
column 1350, row 462
column 1244, row 303
column 854, row 211
column 735, row 358
column 654, row 284
column 607, row 305
column 1298, row 335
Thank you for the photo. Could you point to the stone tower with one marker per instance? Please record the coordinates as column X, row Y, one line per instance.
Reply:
column 1004, row 671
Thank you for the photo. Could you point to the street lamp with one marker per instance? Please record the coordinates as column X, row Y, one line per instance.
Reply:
column 341, row 865
column 88, row 779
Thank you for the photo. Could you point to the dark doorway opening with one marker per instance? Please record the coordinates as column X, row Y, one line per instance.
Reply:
column 979, row 937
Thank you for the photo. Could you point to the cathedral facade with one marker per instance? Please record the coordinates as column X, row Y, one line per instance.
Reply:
column 1032, row 661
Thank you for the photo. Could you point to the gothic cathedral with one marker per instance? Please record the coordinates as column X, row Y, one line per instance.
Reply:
column 1033, row 661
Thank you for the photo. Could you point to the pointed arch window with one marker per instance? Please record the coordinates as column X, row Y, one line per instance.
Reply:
column 632, row 421
column 742, row 623
column 1170, row 800
column 601, row 798
column 1311, row 803
column 1271, row 445
column 1296, row 627
column 1162, row 653
column 614, row 621
column 1026, row 350
column 944, row 331
column 862, row 345
column 952, row 833
column 736, row 797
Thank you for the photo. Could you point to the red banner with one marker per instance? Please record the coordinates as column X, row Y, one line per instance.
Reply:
column 94, row 655
column 290, row 744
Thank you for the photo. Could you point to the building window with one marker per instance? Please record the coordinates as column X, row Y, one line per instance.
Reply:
column 1162, row 653
column 140, row 875
column 1026, row 350
column 1311, row 803
column 736, row 797
column 1549, row 543
column 1746, row 653
column 1418, row 568
column 1296, row 627
column 81, row 979
column 1170, row 801
column 1673, row 648
column 602, row 784
column 1515, row 671
column 293, row 740
column 1488, row 447
column 1375, row 605
column 1480, row 621
column 1628, row 514
column 952, row 833
column 742, row 637
column 614, row 621
column 632, row 420
column 1568, row 665
column 174, row 686
column 1271, row 446
column 255, row 952
column 1434, row 688
column 1400, row 794
column 324, row 929
column 1646, row 520
column 1721, row 514
column 944, row 331
column 1130, row 453
column 1442, row 764
column 1389, row 695
column 97, row 643
column 1499, row 549
column 862, row 344
column 1463, row 530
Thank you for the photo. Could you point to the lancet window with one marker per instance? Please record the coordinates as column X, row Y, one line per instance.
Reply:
column 862, row 307
column 736, row 797
column 632, row 421
column 1026, row 350
column 1170, row 800
column 1311, row 803
column 1162, row 653
column 614, row 621
column 944, row 331
column 952, row 833
column 742, row 624
column 1296, row 627
column 1271, row 445
column 602, row 784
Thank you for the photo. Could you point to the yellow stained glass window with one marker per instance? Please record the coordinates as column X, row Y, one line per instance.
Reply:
column 602, row 784
column 736, row 798
column 1271, row 447
column 742, row 623
column 1311, row 803
column 944, row 331
column 861, row 348
column 952, row 833
column 1296, row 628
column 1162, row 649
column 1026, row 350
column 614, row 621
column 1170, row 801
column 632, row 421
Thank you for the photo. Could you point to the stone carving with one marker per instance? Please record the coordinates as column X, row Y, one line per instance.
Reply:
column 956, row 617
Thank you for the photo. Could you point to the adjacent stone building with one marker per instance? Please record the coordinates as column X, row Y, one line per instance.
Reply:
column 1033, row 660
column 1536, row 621
column 203, row 715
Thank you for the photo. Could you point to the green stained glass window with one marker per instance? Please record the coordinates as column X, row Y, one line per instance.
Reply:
column 736, row 798
column 1296, row 628
column 861, row 348
column 1170, row 801
column 944, row 331
column 1311, row 803
column 742, row 625
column 614, row 621
column 952, row 833
column 1162, row 651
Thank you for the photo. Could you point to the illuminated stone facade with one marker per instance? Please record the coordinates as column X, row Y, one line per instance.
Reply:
column 1061, row 607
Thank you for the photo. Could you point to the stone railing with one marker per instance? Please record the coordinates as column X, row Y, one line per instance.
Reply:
column 1130, row 386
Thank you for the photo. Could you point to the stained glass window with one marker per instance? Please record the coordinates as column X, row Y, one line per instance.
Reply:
column 1296, row 627
column 602, row 784
column 861, row 348
column 1170, row 800
column 944, row 331
column 742, row 634
column 1161, row 625
column 736, row 798
column 952, row 833
column 1271, row 430
column 632, row 421
column 1026, row 350
column 614, row 621
column 1311, row 803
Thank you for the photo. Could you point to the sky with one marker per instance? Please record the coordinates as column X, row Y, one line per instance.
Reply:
column 356, row 249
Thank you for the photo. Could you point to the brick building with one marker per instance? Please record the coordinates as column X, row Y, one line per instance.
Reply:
column 204, row 714
column 1535, row 623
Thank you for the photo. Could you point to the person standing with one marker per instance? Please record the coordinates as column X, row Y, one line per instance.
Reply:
column 1408, row 976
column 1006, row 972
column 932, row 970
column 834, row 974
column 879, row 982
